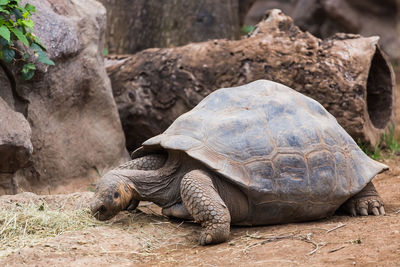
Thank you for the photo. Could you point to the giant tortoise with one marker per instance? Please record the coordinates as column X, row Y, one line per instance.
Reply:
column 255, row 154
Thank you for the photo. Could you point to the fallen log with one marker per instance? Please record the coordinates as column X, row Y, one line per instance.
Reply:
column 347, row 73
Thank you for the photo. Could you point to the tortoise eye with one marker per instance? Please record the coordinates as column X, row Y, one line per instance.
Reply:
column 116, row 195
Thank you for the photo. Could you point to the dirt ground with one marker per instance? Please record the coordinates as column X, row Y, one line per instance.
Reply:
column 146, row 238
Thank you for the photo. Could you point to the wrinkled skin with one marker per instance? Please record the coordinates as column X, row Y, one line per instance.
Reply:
column 118, row 190
column 112, row 196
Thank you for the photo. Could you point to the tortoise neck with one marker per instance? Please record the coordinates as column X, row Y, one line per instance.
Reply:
column 160, row 186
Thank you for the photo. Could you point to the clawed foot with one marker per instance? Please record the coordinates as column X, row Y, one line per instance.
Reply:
column 365, row 203
column 214, row 233
column 366, row 206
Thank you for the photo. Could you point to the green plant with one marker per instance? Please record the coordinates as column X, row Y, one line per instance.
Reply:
column 374, row 153
column 16, row 25
column 246, row 29
column 388, row 145
column 389, row 140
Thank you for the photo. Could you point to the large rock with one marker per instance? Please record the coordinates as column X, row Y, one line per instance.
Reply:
column 76, row 131
column 348, row 74
column 15, row 145
column 15, row 139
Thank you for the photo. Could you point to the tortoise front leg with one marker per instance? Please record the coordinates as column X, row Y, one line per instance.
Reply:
column 205, row 205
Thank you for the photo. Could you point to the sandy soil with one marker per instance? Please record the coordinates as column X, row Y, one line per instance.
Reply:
column 147, row 239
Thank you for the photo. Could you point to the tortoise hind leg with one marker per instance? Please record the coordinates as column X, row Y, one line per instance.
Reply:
column 206, row 206
column 366, row 202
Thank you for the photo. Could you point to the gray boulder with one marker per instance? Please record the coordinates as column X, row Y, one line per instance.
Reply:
column 76, row 131
column 15, row 145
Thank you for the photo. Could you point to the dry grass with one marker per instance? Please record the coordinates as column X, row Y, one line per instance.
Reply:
column 33, row 221
column 23, row 225
column 148, row 225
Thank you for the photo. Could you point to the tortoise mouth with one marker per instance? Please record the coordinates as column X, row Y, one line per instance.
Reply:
column 101, row 211
column 380, row 91
column 102, row 214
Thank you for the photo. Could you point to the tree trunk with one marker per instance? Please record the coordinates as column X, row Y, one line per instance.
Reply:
column 348, row 74
column 140, row 24
column 244, row 7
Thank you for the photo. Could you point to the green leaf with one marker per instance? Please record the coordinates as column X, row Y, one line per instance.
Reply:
column 30, row 8
column 36, row 47
column 4, row 42
column 28, row 70
column 8, row 54
column 28, row 23
column 28, row 75
column 28, row 66
column 4, row 11
column 247, row 29
column 15, row 24
column 5, row 32
column 17, row 13
column 44, row 59
column 20, row 36
column 37, row 41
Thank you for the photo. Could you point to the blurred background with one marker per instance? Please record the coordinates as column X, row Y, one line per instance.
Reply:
column 324, row 18
column 137, row 25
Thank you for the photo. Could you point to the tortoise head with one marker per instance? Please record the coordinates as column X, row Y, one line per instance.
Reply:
column 113, row 194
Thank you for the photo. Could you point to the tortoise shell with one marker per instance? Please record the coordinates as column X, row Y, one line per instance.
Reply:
column 283, row 149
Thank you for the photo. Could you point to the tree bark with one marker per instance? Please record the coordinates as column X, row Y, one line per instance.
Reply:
column 348, row 74
column 140, row 24
column 323, row 18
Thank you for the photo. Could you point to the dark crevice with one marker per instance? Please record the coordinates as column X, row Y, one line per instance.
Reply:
column 21, row 104
column 379, row 91
column 9, row 75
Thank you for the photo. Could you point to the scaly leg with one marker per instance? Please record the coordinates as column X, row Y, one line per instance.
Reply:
column 367, row 201
column 205, row 205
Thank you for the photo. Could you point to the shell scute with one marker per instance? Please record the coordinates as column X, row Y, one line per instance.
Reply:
column 240, row 140
column 322, row 173
column 292, row 177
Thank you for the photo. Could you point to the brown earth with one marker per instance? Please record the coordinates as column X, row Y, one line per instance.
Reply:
column 148, row 239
